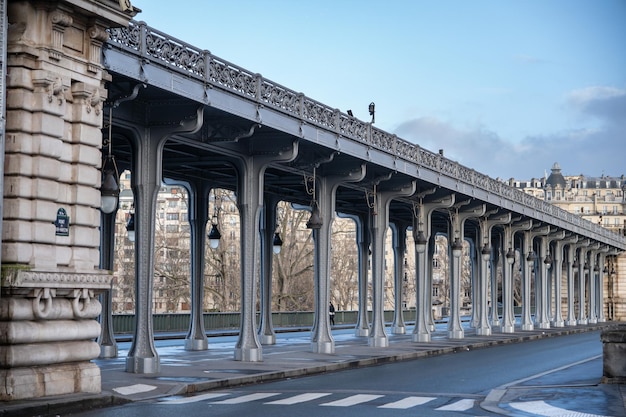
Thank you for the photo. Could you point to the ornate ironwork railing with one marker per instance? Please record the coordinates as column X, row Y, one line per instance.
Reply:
column 176, row 55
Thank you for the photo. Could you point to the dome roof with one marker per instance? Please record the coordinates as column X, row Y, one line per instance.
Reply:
column 556, row 179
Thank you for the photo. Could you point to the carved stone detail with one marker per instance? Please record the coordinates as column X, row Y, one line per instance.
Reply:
column 15, row 279
column 59, row 21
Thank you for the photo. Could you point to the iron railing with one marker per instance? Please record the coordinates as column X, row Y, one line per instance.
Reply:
column 158, row 48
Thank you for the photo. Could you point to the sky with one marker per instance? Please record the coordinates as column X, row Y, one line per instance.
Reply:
column 507, row 88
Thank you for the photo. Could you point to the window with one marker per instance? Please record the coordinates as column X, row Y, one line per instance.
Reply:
column 172, row 216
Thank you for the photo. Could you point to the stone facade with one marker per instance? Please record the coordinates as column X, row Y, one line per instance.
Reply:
column 51, row 238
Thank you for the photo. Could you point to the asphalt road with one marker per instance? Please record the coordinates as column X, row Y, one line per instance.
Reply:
column 448, row 385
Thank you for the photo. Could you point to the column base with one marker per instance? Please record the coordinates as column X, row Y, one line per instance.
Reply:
column 593, row 321
column 398, row 330
column 508, row 329
column 456, row 334
column 362, row 332
column 196, row 344
column 495, row 323
column 249, row 355
column 380, row 341
column 528, row 326
column 420, row 337
column 582, row 321
column 558, row 323
column 570, row 322
column 544, row 325
column 108, row 351
column 267, row 339
column 138, row 365
column 323, row 347
column 485, row 331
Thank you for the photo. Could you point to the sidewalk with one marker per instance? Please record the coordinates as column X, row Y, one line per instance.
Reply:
column 185, row 372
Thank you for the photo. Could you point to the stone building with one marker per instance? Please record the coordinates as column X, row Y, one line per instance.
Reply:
column 601, row 200
column 54, row 84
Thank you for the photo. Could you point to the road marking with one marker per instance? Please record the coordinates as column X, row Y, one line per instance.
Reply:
column 560, row 368
column 247, row 398
column 543, row 409
column 134, row 389
column 461, row 405
column 299, row 398
column 408, row 402
column 352, row 400
column 194, row 399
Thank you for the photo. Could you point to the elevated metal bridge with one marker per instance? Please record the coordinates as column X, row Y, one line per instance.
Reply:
column 181, row 114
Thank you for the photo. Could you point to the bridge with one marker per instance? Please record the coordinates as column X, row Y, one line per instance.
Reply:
column 191, row 117
column 177, row 114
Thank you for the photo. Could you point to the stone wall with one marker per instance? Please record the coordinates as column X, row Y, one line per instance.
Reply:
column 51, row 219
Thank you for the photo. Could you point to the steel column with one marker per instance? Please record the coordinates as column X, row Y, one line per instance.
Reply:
column 483, row 327
column 250, row 185
column 327, row 184
column 423, row 222
column 457, row 221
column 558, row 277
column 198, row 215
column 399, row 251
column 593, row 279
column 267, row 336
column 571, row 256
column 380, row 222
column 583, row 268
column 108, row 345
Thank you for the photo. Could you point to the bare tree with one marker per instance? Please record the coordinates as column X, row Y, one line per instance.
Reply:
column 292, row 286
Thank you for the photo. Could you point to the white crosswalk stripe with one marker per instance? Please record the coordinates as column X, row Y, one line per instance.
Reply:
column 301, row 398
column 194, row 399
column 352, row 400
column 461, row 405
column 408, row 402
column 247, row 398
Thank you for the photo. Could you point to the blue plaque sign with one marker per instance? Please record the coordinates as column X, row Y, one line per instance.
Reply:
column 62, row 223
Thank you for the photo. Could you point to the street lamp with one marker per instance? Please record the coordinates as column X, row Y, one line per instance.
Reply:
column 457, row 248
column 510, row 256
column 372, row 110
column 214, row 234
column 315, row 221
column 548, row 260
column 109, row 190
column 485, row 252
column 130, row 226
column 277, row 243
column 420, row 242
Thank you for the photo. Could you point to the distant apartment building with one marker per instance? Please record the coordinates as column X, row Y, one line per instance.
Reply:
column 601, row 200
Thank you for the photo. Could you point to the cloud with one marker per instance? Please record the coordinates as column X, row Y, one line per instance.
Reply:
column 607, row 104
column 588, row 151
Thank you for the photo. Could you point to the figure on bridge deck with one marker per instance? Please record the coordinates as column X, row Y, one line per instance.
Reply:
column 331, row 312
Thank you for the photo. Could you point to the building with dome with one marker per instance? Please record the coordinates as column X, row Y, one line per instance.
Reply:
column 601, row 200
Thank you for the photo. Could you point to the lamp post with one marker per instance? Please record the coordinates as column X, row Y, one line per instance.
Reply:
column 371, row 109
column 315, row 221
column 277, row 243
column 130, row 226
column 214, row 234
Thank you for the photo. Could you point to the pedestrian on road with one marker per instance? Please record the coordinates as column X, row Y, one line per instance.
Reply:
column 331, row 312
